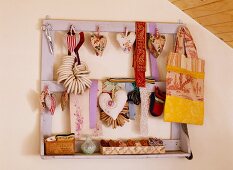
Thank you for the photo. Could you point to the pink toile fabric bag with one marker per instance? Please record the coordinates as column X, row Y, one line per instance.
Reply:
column 184, row 82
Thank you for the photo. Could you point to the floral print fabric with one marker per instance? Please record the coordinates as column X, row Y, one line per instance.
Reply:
column 184, row 82
column 156, row 44
column 99, row 43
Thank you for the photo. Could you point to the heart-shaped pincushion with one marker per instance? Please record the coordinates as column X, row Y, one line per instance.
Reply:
column 126, row 41
column 113, row 107
column 98, row 42
column 156, row 44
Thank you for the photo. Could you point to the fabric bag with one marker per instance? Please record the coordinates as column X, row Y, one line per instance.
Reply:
column 184, row 82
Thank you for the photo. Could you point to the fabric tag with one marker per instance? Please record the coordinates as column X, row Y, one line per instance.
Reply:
column 144, row 111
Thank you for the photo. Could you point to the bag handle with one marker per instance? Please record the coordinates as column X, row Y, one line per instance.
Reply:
column 184, row 43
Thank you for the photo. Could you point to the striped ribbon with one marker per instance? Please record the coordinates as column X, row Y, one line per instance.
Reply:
column 71, row 43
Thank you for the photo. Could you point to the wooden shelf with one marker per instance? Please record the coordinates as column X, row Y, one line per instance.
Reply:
column 168, row 154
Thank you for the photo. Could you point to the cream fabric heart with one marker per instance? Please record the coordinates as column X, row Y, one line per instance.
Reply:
column 156, row 44
column 113, row 107
column 98, row 42
column 126, row 41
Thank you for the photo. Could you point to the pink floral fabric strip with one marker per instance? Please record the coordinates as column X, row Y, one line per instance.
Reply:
column 75, row 112
column 144, row 111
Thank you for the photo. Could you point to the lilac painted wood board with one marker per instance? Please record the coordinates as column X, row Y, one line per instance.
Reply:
column 174, row 154
column 91, row 26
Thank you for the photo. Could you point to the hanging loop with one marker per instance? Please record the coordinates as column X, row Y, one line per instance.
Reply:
column 126, row 31
column 98, row 31
column 156, row 31
column 72, row 30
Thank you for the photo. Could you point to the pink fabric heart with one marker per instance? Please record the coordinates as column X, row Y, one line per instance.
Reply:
column 156, row 44
column 126, row 41
column 98, row 42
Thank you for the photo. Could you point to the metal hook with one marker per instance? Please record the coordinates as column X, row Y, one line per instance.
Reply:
column 180, row 21
column 47, row 26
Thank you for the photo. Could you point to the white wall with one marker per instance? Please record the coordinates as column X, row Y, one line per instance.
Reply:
column 20, row 74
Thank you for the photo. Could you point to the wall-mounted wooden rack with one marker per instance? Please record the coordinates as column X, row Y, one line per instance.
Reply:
column 178, row 144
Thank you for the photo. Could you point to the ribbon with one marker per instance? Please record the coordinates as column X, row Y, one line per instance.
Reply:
column 93, row 104
column 72, row 43
column 132, row 112
column 71, row 40
column 139, row 62
column 81, row 34
column 144, row 111
column 77, row 118
column 153, row 62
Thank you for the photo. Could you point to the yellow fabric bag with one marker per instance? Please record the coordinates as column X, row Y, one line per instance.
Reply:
column 184, row 82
